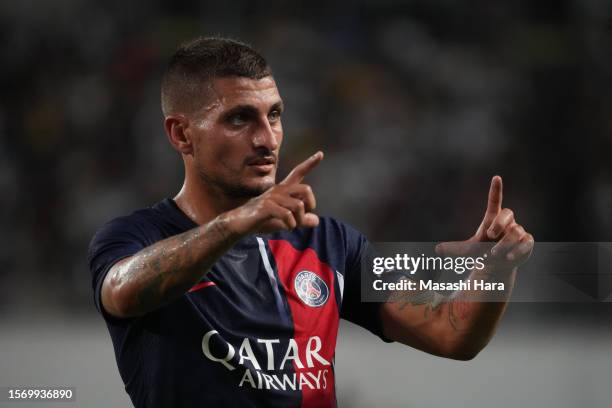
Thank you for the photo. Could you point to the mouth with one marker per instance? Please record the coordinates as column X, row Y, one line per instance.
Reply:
column 262, row 165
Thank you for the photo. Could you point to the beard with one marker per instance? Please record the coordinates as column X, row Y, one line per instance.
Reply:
column 233, row 190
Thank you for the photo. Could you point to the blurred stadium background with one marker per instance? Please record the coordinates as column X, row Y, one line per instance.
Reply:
column 416, row 104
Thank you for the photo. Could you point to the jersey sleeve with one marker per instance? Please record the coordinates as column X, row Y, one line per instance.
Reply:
column 116, row 240
column 365, row 314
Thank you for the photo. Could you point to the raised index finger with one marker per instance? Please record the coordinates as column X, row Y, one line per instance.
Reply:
column 494, row 203
column 301, row 170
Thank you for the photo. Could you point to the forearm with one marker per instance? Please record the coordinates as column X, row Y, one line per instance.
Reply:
column 165, row 270
column 472, row 317
column 456, row 326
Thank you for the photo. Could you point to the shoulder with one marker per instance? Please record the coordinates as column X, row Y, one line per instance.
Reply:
column 134, row 223
column 141, row 227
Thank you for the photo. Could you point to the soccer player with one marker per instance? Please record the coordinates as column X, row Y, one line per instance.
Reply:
column 230, row 294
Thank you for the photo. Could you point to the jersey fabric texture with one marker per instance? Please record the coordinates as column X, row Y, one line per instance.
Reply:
column 260, row 327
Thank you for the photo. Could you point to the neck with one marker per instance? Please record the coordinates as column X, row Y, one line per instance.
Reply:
column 203, row 202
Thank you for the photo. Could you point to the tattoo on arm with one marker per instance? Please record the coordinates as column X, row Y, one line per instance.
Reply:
column 168, row 268
column 432, row 302
column 457, row 303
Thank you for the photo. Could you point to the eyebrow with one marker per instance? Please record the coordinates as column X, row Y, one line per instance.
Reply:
column 251, row 110
column 278, row 106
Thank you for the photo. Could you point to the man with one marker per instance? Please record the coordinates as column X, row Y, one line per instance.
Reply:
column 230, row 294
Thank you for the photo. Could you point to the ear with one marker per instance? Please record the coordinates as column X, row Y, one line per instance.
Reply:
column 176, row 127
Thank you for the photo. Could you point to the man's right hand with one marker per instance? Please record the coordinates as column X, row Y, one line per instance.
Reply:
column 286, row 206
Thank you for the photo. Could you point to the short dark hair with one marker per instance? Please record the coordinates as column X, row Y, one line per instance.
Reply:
column 196, row 63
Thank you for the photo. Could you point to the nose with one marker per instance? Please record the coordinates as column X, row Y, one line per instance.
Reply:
column 266, row 137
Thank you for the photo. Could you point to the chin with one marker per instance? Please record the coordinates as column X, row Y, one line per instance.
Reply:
column 264, row 185
column 253, row 188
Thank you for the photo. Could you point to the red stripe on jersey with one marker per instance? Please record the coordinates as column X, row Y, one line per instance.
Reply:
column 202, row 285
column 310, row 321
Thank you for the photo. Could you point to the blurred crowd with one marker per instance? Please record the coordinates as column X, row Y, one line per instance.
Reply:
column 415, row 103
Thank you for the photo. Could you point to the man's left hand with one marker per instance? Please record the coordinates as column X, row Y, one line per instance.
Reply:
column 513, row 245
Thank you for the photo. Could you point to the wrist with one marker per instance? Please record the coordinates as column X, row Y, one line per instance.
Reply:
column 230, row 226
column 496, row 270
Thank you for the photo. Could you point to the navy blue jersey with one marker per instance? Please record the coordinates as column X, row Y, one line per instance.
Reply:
column 260, row 327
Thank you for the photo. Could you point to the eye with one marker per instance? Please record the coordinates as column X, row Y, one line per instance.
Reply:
column 237, row 119
column 274, row 116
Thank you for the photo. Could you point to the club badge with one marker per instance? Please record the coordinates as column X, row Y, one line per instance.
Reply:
column 311, row 289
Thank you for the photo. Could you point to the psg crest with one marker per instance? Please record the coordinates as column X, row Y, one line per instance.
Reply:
column 311, row 288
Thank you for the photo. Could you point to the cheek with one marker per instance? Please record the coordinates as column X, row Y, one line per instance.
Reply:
column 279, row 134
column 211, row 155
column 220, row 152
